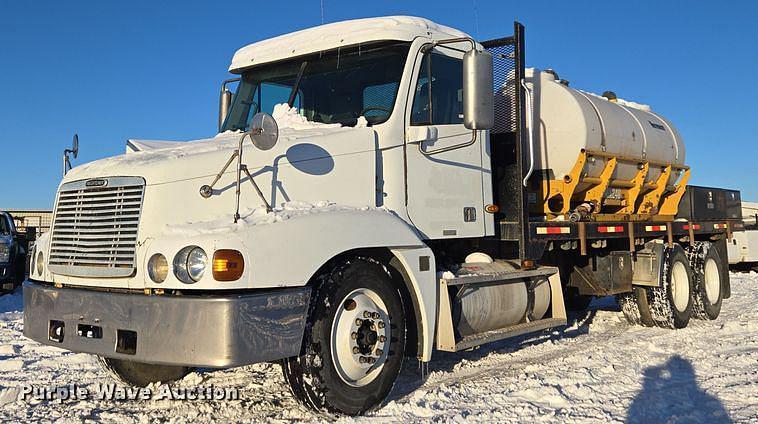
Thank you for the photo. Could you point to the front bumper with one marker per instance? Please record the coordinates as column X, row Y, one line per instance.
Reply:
column 203, row 331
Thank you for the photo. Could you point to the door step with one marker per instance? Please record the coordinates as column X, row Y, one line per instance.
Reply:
column 515, row 330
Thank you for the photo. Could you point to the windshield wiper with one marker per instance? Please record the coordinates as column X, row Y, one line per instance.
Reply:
column 295, row 87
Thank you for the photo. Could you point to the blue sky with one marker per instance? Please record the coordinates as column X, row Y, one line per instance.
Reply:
column 145, row 69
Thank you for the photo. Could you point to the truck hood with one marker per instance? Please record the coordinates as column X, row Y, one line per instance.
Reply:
column 161, row 162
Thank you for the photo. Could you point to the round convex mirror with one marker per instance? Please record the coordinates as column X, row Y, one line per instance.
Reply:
column 75, row 146
column 264, row 131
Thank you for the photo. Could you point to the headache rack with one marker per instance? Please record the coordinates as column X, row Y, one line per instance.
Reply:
column 95, row 227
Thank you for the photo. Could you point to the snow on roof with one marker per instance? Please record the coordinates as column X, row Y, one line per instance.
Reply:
column 345, row 33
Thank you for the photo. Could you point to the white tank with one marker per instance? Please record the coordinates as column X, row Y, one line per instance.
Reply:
column 571, row 120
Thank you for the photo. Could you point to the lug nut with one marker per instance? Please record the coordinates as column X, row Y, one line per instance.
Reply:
column 378, row 352
column 350, row 304
column 375, row 315
column 354, row 335
column 356, row 350
column 358, row 322
column 382, row 339
column 366, row 314
column 381, row 324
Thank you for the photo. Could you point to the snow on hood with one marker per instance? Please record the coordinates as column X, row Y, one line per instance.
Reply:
column 141, row 153
column 258, row 216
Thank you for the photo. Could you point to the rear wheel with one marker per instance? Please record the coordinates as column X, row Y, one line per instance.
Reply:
column 635, row 307
column 671, row 303
column 354, row 341
column 140, row 374
column 708, row 279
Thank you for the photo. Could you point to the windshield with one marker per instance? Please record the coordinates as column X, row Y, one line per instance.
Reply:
column 337, row 86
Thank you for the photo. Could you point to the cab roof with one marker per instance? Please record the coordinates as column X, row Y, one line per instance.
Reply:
column 345, row 33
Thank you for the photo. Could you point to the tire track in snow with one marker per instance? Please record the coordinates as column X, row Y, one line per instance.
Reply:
column 496, row 364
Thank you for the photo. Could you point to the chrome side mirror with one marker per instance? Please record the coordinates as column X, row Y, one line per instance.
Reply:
column 264, row 131
column 478, row 90
column 224, row 102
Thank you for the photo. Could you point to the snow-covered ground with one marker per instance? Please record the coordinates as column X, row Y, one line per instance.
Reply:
column 597, row 370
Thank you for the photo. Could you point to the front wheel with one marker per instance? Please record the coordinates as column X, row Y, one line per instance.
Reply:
column 140, row 374
column 354, row 341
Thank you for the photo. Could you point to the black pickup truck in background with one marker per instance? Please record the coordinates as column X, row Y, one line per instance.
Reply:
column 13, row 252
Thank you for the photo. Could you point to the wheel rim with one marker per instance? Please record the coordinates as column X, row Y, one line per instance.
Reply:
column 360, row 337
column 712, row 280
column 680, row 286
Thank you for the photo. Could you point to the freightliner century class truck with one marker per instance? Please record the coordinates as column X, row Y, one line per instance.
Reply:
column 412, row 190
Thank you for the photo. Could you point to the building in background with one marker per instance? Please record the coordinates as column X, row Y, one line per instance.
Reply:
column 41, row 219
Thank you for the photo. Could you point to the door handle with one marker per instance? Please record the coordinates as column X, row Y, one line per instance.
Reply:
column 422, row 134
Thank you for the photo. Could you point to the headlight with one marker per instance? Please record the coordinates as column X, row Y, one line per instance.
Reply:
column 40, row 264
column 157, row 268
column 5, row 252
column 189, row 264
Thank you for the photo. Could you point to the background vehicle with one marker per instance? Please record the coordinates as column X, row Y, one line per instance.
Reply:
column 743, row 247
column 429, row 193
column 13, row 248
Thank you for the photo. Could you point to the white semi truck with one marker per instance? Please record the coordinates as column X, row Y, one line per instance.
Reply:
column 378, row 189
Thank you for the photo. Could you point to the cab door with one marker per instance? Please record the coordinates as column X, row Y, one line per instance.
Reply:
column 444, row 160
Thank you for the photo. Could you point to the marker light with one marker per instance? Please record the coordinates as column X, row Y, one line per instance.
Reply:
column 228, row 265
column 40, row 264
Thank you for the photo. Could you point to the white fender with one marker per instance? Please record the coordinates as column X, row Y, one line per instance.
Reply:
column 289, row 253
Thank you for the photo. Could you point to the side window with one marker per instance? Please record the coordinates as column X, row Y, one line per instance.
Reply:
column 378, row 101
column 438, row 97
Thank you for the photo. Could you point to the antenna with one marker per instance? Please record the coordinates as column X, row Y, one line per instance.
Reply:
column 476, row 18
column 322, row 12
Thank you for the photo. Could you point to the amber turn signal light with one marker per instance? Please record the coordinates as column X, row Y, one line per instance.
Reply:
column 228, row 265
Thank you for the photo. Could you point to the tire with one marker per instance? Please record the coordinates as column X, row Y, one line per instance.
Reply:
column 140, row 374
column 330, row 375
column 575, row 301
column 708, row 280
column 635, row 307
column 671, row 304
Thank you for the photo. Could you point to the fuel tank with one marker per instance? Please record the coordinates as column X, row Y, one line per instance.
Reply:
column 478, row 309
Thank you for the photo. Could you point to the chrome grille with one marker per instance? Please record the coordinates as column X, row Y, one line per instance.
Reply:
column 95, row 227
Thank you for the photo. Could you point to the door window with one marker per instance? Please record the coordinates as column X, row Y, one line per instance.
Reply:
column 438, row 97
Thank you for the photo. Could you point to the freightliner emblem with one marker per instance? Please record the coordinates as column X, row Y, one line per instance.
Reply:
column 96, row 183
